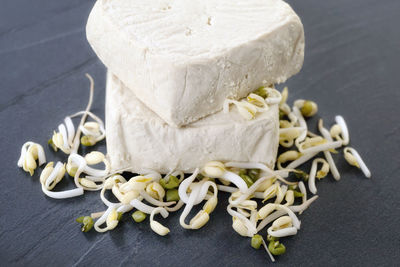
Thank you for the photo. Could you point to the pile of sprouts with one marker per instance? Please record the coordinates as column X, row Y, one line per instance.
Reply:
column 260, row 196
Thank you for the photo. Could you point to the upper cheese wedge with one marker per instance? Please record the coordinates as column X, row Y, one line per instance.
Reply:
column 183, row 58
column 139, row 139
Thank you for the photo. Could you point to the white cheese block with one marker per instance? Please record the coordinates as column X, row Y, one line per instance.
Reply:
column 138, row 138
column 182, row 58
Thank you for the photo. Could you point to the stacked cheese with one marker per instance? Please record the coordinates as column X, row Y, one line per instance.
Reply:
column 137, row 137
column 176, row 62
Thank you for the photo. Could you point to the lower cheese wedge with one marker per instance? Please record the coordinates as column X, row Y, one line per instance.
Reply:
column 139, row 139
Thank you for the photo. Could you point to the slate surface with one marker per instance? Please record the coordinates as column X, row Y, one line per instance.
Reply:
column 351, row 68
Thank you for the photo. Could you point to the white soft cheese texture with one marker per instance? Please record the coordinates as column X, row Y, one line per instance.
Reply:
column 140, row 139
column 182, row 58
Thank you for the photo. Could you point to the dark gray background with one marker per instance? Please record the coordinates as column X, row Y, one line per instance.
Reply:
column 351, row 68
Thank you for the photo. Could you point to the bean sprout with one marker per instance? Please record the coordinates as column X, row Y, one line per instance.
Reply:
column 345, row 132
column 313, row 173
column 176, row 207
column 302, row 123
column 280, row 193
column 325, row 133
column 63, row 194
column 242, row 221
column 189, row 205
column 254, row 103
column 185, row 185
column 274, row 96
column 137, row 204
column 216, row 169
column 156, row 226
column 250, row 191
column 154, row 201
column 304, row 206
column 149, row 193
column 353, row 158
column 30, row 152
column 82, row 167
column 303, row 192
column 282, row 232
column 109, row 217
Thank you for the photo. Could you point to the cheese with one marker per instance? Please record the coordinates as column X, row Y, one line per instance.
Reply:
column 140, row 139
column 183, row 58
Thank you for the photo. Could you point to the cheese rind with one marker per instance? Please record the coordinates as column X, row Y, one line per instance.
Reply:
column 140, row 139
column 182, row 59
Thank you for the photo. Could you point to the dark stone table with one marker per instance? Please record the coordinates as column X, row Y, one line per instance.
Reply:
column 351, row 68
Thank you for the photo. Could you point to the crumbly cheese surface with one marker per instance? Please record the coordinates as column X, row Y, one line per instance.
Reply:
column 139, row 138
column 183, row 58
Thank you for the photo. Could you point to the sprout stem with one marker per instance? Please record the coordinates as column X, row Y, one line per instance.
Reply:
column 345, row 132
column 63, row 194
column 83, row 119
